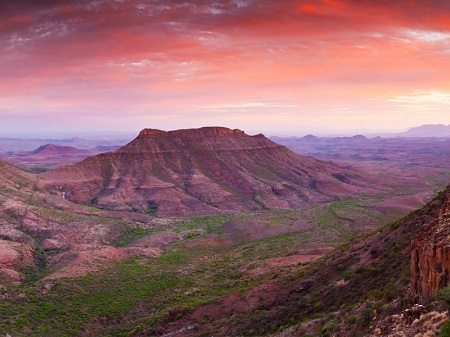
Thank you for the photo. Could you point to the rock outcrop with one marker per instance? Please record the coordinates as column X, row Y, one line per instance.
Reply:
column 430, row 253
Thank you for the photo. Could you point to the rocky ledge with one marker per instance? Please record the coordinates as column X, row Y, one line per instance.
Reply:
column 212, row 130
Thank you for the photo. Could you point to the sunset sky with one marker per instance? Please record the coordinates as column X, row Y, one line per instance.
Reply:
column 286, row 67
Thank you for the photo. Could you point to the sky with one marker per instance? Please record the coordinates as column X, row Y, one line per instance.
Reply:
column 281, row 67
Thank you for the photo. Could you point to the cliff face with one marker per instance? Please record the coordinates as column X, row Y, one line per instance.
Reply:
column 203, row 171
column 430, row 253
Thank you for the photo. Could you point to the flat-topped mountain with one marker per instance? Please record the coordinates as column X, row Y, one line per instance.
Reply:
column 209, row 170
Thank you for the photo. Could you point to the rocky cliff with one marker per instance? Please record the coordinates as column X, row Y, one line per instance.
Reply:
column 430, row 253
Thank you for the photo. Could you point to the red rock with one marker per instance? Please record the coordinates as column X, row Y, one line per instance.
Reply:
column 430, row 254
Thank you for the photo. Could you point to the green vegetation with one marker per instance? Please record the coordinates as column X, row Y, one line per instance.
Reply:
column 444, row 294
column 69, row 305
column 135, row 296
column 211, row 224
column 114, row 299
column 445, row 332
column 39, row 270
column 130, row 234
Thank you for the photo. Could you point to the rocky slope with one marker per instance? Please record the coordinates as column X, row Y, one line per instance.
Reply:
column 203, row 171
column 41, row 230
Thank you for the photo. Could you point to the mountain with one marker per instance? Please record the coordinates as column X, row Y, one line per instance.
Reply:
column 428, row 130
column 47, row 156
column 209, row 170
column 58, row 150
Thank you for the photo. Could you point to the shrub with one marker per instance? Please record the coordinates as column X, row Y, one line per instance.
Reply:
column 347, row 275
column 445, row 332
column 365, row 318
column 351, row 320
column 329, row 328
column 375, row 294
column 444, row 294
column 318, row 306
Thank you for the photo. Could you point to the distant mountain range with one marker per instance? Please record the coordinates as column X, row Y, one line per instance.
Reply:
column 427, row 130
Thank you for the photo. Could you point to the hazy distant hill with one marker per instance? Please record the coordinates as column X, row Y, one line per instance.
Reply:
column 428, row 130
column 18, row 144
column 48, row 156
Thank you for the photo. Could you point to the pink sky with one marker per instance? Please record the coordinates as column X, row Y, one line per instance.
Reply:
column 276, row 66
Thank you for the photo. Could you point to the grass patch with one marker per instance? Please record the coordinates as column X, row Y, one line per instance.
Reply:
column 211, row 224
column 130, row 234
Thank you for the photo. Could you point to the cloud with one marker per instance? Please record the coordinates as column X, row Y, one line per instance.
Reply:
column 154, row 56
column 423, row 97
column 428, row 35
column 248, row 105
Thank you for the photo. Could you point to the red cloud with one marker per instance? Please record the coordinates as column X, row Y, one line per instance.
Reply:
column 178, row 55
column 309, row 9
column 25, row 19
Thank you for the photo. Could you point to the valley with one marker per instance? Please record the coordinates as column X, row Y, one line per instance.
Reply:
column 211, row 231
column 232, row 168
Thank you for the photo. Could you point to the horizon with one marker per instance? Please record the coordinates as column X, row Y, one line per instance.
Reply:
column 130, row 134
column 276, row 67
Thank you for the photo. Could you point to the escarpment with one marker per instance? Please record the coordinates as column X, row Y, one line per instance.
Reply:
column 430, row 253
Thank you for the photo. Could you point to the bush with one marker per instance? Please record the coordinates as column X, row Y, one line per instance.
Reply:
column 351, row 320
column 444, row 294
column 445, row 332
column 329, row 328
column 365, row 318
column 347, row 275
column 318, row 306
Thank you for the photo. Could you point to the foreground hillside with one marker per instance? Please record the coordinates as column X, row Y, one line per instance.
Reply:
column 207, row 279
column 204, row 171
column 359, row 289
